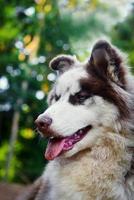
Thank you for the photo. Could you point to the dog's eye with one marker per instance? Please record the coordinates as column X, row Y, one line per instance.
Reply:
column 79, row 97
column 82, row 96
column 57, row 97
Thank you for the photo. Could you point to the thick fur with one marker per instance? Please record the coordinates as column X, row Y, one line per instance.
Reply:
column 100, row 166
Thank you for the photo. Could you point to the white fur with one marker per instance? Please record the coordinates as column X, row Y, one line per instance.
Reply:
column 96, row 166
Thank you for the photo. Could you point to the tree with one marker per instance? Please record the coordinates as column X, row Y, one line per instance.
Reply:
column 123, row 36
column 26, row 70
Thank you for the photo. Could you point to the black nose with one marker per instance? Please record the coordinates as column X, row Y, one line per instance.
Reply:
column 43, row 122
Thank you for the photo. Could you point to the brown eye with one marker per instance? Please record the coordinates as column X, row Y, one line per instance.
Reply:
column 79, row 97
column 83, row 96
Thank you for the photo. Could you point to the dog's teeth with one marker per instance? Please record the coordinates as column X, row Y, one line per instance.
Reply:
column 80, row 132
column 51, row 137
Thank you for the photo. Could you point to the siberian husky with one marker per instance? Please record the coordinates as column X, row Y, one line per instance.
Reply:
column 90, row 126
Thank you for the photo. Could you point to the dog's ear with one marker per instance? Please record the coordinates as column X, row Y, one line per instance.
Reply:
column 62, row 63
column 106, row 61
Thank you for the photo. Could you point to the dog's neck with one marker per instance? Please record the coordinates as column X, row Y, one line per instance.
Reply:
column 109, row 145
column 100, row 168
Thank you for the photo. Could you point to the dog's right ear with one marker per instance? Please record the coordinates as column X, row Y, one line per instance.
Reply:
column 106, row 61
column 62, row 63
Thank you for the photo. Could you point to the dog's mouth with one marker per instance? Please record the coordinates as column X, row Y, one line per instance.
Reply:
column 57, row 145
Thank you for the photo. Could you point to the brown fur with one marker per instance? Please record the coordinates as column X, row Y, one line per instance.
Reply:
column 99, row 87
column 100, row 166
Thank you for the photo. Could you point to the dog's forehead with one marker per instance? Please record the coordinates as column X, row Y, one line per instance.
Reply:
column 70, row 80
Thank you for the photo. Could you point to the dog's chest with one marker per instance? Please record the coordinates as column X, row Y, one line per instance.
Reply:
column 65, row 182
column 80, row 179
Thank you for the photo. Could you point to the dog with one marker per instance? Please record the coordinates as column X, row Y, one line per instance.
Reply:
column 90, row 126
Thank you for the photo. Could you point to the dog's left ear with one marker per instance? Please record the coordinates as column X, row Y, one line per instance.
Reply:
column 62, row 63
column 107, row 62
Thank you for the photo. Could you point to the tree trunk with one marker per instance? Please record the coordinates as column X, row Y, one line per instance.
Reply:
column 13, row 138
column 14, row 131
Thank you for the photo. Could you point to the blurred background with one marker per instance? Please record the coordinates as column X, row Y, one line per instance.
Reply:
column 31, row 34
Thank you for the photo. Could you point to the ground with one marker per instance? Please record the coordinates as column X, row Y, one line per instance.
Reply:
column 10, row 191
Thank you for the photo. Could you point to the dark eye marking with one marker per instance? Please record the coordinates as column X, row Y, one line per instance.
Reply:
column 79, row 97
column 50, row 99
column 57, row 97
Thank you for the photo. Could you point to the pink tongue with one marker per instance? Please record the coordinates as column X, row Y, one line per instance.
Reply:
column 54, row 148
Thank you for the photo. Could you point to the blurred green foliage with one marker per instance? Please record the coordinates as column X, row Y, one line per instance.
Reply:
column 31, row 33
column 123, row 36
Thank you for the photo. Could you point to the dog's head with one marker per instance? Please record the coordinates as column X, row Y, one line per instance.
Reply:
column 87, row 99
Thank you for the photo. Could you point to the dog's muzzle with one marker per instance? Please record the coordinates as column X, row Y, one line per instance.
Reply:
column 43, row 123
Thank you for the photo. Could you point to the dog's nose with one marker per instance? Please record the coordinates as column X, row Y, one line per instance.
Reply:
column 43, row 122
